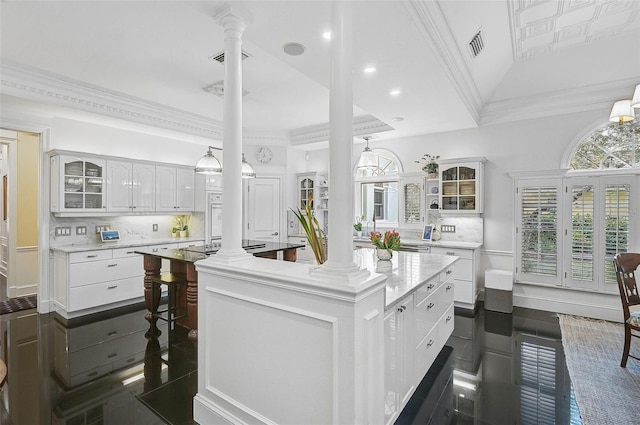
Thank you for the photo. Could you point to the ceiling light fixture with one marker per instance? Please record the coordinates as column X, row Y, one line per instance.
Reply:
column 209, row 164
column 397, row 119
column 395, row 92
column 293, row 49
column 370, row 69
column 367, row 157
column 623, row 110
column 326, row 35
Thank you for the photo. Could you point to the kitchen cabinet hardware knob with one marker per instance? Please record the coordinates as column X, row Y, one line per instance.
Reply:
column 92, row 374
column 132, row 359
column 112, row 265
column 399, row 309
column 275, row 234
column 451, row 253
column 92, row 256
column 448, row 318
column 449, row 271
column 133, row 206
column 430, row 286
column 448, row 287
column 430, row 306
column 112, row 333
column 112, row 287
column 112, row 355
column 430, row 343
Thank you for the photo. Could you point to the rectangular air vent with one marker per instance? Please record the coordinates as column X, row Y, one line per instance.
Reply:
column 476, row 44
column 220, row 56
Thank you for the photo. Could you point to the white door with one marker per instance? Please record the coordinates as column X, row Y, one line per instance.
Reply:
column 263, row 210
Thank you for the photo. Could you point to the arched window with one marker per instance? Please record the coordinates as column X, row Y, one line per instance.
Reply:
column 613, row 146
column 377, row 190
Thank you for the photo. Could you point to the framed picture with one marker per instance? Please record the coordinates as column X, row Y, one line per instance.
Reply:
column 110, row 236
column 426, row 233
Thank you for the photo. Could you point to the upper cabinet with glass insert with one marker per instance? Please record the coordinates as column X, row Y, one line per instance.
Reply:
column 313, row 190
column 77, row 184
column 461, row 185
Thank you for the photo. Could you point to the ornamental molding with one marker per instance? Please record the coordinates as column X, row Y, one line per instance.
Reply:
column 362, row 125
column 579, row 99
column 430, row 21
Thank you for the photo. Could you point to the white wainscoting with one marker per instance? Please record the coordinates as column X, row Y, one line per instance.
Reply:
column 26, row 272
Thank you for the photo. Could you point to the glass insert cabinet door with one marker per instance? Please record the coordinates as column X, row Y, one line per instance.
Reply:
column 82, row 184
column 460, row 188
column 306, row 192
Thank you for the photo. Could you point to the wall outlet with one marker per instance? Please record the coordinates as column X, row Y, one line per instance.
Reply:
column 81, row 230
column 155, row 227
column 447, row 228
column 101, row 228
column 63, row 231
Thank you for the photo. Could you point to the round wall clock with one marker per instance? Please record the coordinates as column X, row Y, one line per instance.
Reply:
column 264, row 155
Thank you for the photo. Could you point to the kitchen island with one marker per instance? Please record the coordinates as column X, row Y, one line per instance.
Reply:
column 183, row 261
column 332, row 349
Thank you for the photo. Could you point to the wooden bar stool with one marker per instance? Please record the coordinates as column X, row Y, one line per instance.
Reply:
column 174, row 282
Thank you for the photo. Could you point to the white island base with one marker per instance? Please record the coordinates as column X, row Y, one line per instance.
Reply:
column 282, row 343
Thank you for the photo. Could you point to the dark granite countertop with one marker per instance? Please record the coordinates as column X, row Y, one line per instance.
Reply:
column 195, row 253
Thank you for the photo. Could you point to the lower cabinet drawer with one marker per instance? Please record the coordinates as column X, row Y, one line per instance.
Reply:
column 88, row 296
column 446, row 325
column 106, row 270
column 426, row 353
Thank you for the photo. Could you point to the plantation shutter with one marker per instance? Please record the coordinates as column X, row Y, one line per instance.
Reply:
column 538, row 231
column 615, row 229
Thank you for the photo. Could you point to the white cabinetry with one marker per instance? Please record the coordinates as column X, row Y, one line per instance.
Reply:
column 130, row 186
column 77, row 184
column 313, row 189
column 95, row 278
column 304, row 254
column 415, row 330
column 412, row 200
column 464, row 278
column 461, row 189
column 175, row 189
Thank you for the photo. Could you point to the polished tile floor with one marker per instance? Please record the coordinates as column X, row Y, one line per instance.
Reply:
column 497, row 369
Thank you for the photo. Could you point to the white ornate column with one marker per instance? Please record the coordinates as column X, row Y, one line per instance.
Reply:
column 340, row 255
column 231, row 248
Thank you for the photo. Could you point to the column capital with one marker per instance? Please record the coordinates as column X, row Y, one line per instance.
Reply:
column 229, row 16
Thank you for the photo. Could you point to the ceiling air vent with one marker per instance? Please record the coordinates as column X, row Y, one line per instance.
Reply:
column 220, row 56
column 476, row 44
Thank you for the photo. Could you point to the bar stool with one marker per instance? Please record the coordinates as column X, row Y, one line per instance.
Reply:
column 174, row 282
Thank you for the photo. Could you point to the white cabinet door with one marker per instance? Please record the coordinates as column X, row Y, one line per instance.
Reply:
column 143, row 187
column 119, row 186
column 165, row 188
column 185, row 186
column 263, row 209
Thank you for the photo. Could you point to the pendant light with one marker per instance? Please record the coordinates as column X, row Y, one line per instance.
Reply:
column 635, row 101
column 622, row 112
column 209, row 164
column 247, row 169
column 367, row 157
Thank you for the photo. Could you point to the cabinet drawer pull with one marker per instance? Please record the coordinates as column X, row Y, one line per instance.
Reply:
column 112, row 355
column 132, row 359
column 94, row 373
column 112, row 333
column 448, row 287
column 430, row 286
column 92, row 256
column 449, row 271
column 430, row 343
column 451, row 253
column 402, row 308
column 112, row 287
column 430, row 306
column 448, row 318
column 130, row 252
column 112, row 265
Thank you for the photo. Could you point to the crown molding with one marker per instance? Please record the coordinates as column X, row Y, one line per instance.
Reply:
column 362, row 125
column 574, row 100
column 433, row 26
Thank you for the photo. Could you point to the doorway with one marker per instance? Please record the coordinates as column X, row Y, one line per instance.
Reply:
column 19, row 224
column 264, row 209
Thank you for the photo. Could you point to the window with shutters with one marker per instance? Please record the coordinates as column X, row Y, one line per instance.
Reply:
column 378, row 189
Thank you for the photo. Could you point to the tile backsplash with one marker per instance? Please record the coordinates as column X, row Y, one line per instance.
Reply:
column 130, row 227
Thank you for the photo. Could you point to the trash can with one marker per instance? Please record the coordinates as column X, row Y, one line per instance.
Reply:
column 498, row 290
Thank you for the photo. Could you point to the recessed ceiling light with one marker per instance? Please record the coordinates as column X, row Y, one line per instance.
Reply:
column 370, row 69
column 293, row 49
column 397, row 119
column 326, row 35
column 395, row 92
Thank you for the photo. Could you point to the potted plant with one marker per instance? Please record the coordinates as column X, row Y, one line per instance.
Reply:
column 385, row 246
column 174, row 232
column 430, row 165
column 358, row 226
column 312, row 229
column 181, row 227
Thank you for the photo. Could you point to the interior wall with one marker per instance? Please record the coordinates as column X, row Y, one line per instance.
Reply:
column 27, row 175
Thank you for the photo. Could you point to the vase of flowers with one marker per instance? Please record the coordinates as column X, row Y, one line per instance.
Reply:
column 358, row 226
column 385, row 245
column 430, row 166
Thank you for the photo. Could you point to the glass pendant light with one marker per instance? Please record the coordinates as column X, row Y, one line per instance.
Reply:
column 209, row 164
column 247, row 169
column 367, row 157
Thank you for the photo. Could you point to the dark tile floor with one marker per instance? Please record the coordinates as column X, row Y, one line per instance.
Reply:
column 497, row 369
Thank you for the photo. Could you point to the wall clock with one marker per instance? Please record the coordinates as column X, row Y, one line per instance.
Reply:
column 264, row 155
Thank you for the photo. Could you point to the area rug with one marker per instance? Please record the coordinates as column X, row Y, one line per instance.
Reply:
column 606, row 393
column 17, row 304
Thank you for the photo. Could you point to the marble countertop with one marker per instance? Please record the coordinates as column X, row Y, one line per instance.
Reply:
column 419, row 243
column 407, row 271
column 81, row 247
